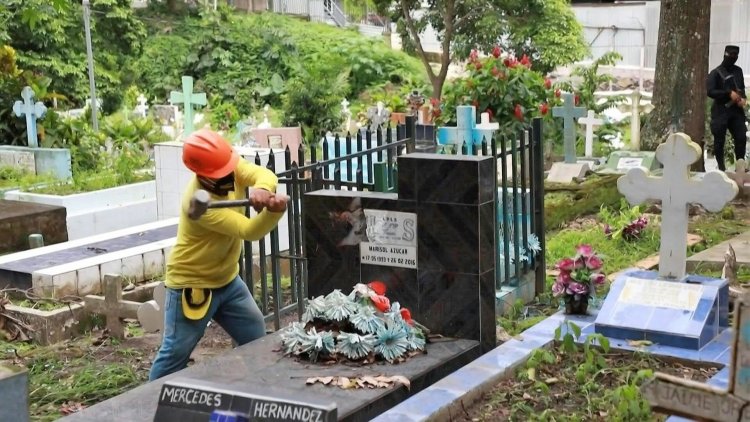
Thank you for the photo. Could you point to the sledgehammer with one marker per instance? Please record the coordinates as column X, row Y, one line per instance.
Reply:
column 201, row 202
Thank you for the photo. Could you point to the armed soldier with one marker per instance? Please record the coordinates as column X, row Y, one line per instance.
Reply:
column 726, row 86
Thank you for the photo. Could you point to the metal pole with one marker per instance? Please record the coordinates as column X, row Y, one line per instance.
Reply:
column 90, row 54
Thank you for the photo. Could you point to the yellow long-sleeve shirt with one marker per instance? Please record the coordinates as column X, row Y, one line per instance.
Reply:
column 207, row 251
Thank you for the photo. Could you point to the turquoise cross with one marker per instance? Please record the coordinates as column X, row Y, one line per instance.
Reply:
column 466, row 130
column 32, row 110
column 188, row 98
column 569, row 112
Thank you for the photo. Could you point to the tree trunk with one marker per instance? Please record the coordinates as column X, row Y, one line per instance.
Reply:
column 681, row 70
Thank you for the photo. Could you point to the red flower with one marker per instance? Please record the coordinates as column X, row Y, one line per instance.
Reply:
column 495, row 71
column 558, row 93
column 406, row 315
column 578, row 99
column 594, row 262
column 566, row 264
column 543, row 108
column 478, row 65
column 490, row 112
column 547, row 83
column 381, row 303
column 435, row 102
column 377, row 286
column 497, row 51
column 474, row 55
column 525, row 61
column 518, row 112
column 510, row 62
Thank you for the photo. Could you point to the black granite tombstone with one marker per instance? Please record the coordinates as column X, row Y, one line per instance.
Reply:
column 442, row 268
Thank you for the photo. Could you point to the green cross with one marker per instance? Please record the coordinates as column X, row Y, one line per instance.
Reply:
column 569, row 112
column 188, row 98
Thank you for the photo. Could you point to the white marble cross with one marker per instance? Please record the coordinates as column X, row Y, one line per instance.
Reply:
column 676, row 190
column 590, row 121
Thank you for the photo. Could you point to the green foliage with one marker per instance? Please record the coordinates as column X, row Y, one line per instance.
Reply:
column 626, row 223
column 49, row 39
column 224, row 116
column 509, row 90
column 252, row 60
column 546, row 30
column 313, row 102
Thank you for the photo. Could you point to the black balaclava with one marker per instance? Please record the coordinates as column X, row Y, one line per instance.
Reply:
column 219, row 187
column 731, row 53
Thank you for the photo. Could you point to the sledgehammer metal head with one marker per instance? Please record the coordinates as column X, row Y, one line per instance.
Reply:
column 201, row 202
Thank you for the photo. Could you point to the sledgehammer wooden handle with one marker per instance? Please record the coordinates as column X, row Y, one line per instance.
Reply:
column 201, row 202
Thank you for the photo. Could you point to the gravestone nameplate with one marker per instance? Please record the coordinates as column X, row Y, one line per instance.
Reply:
column 187, row 400
column 623, row 161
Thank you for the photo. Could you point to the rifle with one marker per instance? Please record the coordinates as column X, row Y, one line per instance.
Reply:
column 726, row 79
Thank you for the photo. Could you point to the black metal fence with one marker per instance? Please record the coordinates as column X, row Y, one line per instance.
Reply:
column 368, row 161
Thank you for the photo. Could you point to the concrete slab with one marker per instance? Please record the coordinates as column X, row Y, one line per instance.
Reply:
column 713, row 257
column 260, row 366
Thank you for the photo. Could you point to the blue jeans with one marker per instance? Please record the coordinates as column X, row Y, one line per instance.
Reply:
column 232, row 307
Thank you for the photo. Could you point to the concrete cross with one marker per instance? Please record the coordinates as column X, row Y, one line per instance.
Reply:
column 590, row 121
column 142, row 106
column 693, row 399
column 32, row 110
column 569, row 112
column 466, row 129
column 112, row 306
column 151, row 313
column 741, row 176
column 188, row 99
column 676, row 190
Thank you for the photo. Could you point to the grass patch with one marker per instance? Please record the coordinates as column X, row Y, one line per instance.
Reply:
column 90, row 183
column 566, row 202
column 73, row 373
column 574, row 383
column 41, row 305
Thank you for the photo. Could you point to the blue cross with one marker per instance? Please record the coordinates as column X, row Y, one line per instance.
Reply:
column 466, row 130
column 32, row 110
column 569, row 112
column 188, row 98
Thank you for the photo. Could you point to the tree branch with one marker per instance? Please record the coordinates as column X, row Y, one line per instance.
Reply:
column 411, row 27
column 450, row 28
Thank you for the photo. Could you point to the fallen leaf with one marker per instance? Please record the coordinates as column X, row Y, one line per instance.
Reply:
column 400, row 379
column 552, row 380
column 326, row 380
column 71, row 407
column 526, row 396
column 531, row 373
column 640, row 343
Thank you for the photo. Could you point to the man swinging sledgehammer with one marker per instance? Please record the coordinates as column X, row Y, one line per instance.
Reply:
column 202, row 279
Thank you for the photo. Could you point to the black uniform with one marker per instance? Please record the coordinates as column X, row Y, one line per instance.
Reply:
column 724, row 113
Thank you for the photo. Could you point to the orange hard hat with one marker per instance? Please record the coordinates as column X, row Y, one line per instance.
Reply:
column 207, row 154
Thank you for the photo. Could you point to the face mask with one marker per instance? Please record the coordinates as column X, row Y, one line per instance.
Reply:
column 730, row 59
column 219, row 187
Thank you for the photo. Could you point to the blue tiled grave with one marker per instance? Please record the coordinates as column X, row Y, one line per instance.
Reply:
column 686, row 314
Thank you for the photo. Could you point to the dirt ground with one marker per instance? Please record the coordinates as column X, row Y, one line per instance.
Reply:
column 565, row 396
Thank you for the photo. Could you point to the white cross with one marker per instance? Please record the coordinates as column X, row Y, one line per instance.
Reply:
column 590, row 121
column 676, row 191
column 142, row 106
column 344, row 105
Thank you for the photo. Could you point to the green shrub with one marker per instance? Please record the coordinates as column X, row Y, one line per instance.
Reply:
column 313, row 102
